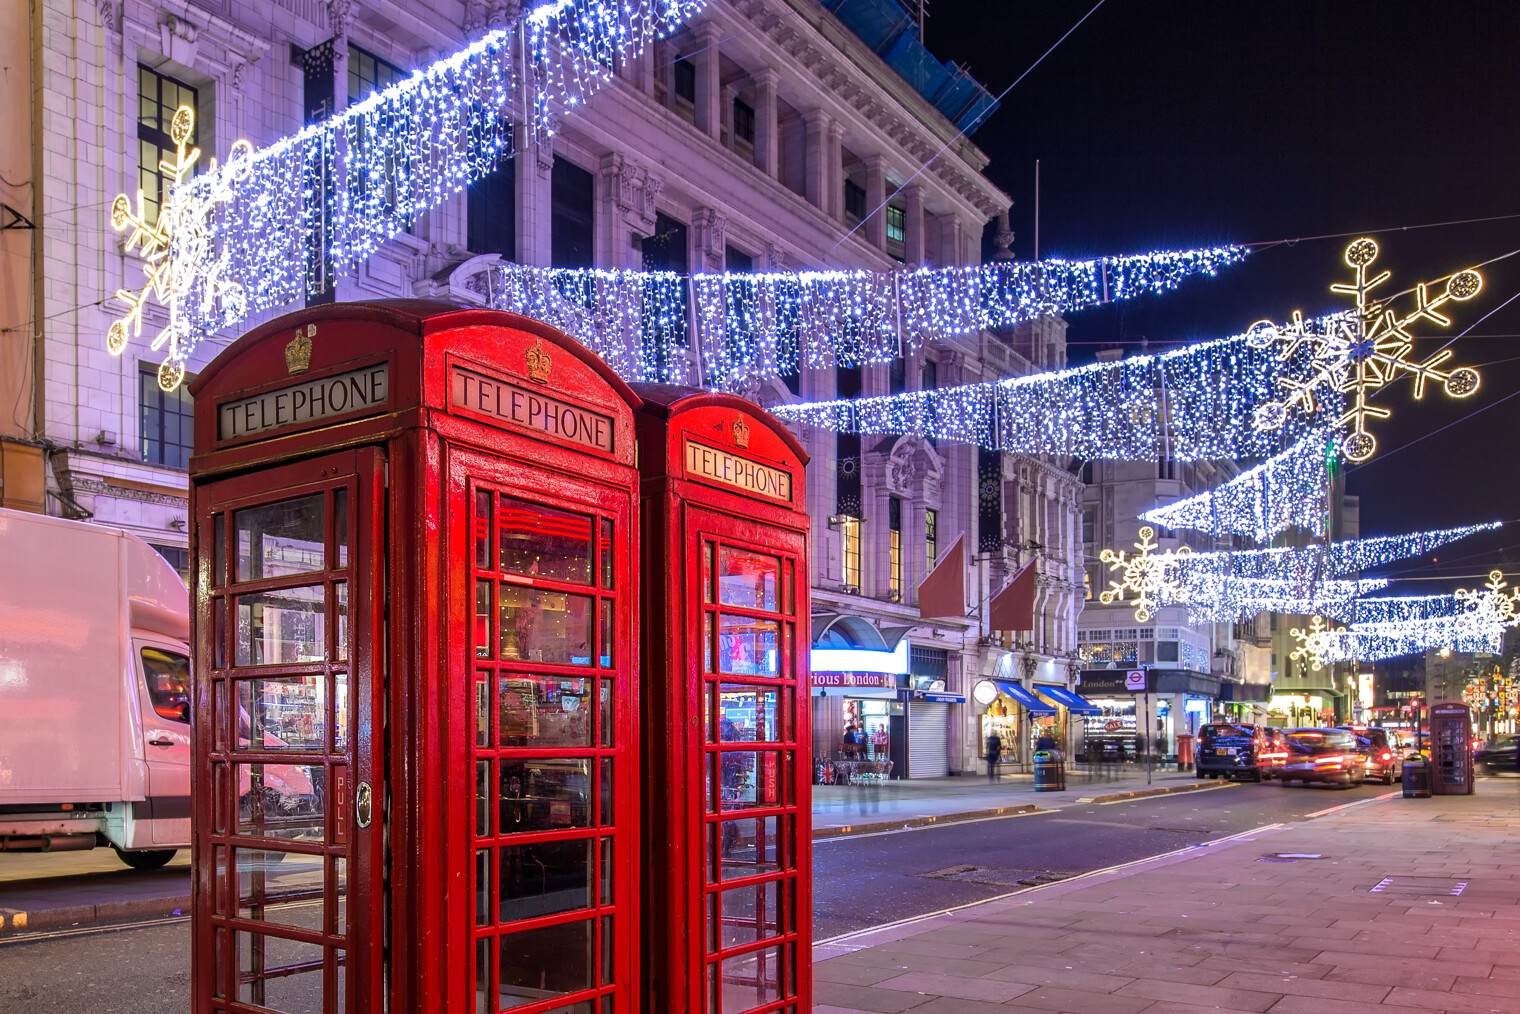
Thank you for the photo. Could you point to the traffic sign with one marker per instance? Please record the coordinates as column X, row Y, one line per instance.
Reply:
column 1135, row 679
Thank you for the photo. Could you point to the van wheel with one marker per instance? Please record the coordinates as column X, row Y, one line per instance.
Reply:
column 1388, row 776
column 144, row 859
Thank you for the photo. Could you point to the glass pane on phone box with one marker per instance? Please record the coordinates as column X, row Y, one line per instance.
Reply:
column 544, row 795
column 541, row 541
column 280, row 539
column 747, row 714
column 747, row 647
column 751, row 980
column 281, row 627
column 749, row 914
column 544, row 626
column 747, row 847
column 544, row 878
column 543, row 711
column 265, row 979
column 738, row 773
column 542, row 963
column 283, row 713
column 286, row 801
column 284, row 888
column 746, row 579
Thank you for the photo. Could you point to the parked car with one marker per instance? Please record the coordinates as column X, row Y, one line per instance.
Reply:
column 1231, row 750
column 1501, row 754
column 1324, row 755
column 1274, row 755
column 1384, row 763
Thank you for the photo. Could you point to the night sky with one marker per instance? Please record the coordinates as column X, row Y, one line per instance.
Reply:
column 1185, row 123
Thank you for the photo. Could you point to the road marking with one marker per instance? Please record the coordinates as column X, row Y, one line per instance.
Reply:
column 1347, row 806
column 929, row 827
column 1166, row 795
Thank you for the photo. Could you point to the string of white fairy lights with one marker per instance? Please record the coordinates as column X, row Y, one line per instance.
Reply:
column 237, row 239
column 729, row 331
column 1289, row 490
column 1206, row 393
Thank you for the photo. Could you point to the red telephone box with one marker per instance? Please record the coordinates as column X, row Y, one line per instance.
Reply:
column 726, row 636
column 416, row 649
column 1451, row 749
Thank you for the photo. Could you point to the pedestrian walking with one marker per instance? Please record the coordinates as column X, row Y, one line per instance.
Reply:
column 994, row 755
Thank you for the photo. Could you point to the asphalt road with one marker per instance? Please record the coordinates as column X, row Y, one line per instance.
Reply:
column 858, row 882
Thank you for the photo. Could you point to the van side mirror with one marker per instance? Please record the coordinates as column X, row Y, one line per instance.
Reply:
column 184, row 712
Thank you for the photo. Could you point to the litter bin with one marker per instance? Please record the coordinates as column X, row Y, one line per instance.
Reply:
column 1049, row 771
column 1416, row 776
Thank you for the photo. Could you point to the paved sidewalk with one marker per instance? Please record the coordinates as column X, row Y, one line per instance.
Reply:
column 1231, row 926
column 856, row 808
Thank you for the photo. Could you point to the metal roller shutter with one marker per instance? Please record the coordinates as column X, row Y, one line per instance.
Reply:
column 928, row 739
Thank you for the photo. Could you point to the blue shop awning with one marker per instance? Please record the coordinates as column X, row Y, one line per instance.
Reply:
column 1024, row 697
column 1075, row 703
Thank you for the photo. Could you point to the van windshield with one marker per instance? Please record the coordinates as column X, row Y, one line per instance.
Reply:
column 168, row 677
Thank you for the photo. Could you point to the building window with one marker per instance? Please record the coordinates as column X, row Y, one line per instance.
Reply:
column 849, row 544
column 664, row 322
column 744, row 122
column 1089, row 525
column 165, row 420
column 178, row 558
column 1087, row 585
column 854, row 199
column 368, row 73
column 897, row 376
column 158, row 97
column 686, row 80
column 931, row 538
column 491, row 212
column 737, row 262
column 897, row 220
column 894, row 549
column 572, row 216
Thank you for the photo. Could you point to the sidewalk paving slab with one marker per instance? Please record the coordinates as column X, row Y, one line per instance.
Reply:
column 1211, row 928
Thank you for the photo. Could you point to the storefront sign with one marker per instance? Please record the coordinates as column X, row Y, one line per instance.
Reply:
column 366, row 389
column 881, row 680
column 498, row 400
column 1110, row 681
column 703, row 462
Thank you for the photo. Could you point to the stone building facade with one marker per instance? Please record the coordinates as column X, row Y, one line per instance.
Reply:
column 766, row 135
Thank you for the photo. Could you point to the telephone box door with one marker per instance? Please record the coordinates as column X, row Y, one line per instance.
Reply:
column 288, row 796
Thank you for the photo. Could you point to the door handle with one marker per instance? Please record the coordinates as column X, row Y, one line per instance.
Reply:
column 160, row 742
column 363, row 805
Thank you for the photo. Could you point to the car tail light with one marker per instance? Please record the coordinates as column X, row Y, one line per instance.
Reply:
column 1331, row 761
column 1387, row 755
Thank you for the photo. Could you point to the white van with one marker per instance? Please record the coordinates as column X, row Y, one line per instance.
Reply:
column 94, row 692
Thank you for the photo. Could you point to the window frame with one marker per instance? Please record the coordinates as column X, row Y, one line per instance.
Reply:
column 158, row 135
column 147, row 384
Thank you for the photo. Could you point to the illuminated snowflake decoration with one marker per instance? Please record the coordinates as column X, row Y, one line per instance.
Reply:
column 172, row 245
column 1318, row 643
column 1363, row 350
column 1148, row 576
column 1488, row 610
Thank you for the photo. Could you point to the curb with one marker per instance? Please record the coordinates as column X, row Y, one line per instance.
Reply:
column 14, row 922
column 1116, row 797
column 844, row 831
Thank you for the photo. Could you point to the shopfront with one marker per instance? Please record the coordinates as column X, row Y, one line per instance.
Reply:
column 1142, row 709
column 1015, row 715
column 859, row 725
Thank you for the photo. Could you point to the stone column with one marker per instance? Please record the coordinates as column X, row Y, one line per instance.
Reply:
column 876, row 196
column 913, row 224
column 709, row 91
column 817, row 172
column 767, row 124
column 534, row 204
column 835, row 207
